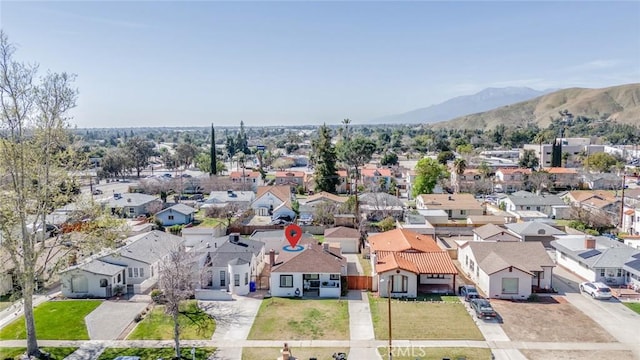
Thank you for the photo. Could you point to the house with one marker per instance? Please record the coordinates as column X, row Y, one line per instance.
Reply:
column 479, row 220
column 595, row 258
column 348, row 238
column 457, row 206
column 329, row 202
column 133, row 267
column 534, row 231
column 563, row 178
column 250, row 180
column 417, row 223
column 343, row 185
column 406, row 263
column 273, row 239
column 290, row 178
column 632, row 268
column 378, row 179
column 233, row 265
column 236, row 200
column 178, row 214
column 273, row 201
column 378, row 205
column 524, row 200
column 599, row 203
column 507, row 270
column 314, row 271
column 131, row 205
column 466, row 181
column 601, row 181
column 511, row 179
column 195, row 237
column 492, row 232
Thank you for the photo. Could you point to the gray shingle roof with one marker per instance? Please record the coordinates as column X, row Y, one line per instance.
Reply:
column 150, row 246
column 131, row 199
column 99, row 267
column 180, row 208
column 496, row 256
column 536, row 200
column 610, row 253
column 228, row 252
column 533, row 228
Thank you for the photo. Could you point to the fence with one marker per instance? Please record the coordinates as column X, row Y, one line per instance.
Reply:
column 359, row 282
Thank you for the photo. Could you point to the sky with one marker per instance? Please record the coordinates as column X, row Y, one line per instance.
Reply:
column 165, row 64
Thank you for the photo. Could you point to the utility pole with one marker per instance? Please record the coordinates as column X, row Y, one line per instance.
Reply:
column 624, row 182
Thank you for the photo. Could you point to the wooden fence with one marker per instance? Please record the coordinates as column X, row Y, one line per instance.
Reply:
column 359, row 282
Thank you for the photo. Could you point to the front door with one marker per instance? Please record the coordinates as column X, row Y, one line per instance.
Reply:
column 223, row 278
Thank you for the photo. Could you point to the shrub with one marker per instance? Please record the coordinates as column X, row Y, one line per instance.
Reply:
column 533, row 298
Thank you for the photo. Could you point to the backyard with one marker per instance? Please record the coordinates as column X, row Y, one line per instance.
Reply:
column 195, row 324
column 555, row 321
column 423, row 319
column 155, row 353
column 260, row 353
column 297, row 319
column 48, row 318
column 55, row 353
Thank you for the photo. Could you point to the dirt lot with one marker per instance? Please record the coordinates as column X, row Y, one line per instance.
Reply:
column 572, row 355
column 554, row 321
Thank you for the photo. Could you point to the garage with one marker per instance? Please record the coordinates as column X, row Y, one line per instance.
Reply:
column 348, row 238
column 510, row 286
column 79, row 284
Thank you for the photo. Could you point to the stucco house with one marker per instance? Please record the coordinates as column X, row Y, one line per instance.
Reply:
column 348, row 238
column 525, row 201
column 534, row 231
column 134, row 267
column 250, row 180
column 237, row 200
column 457, row 206
column 314, row 271
column 178, row 214
column 376, row 179
column 290, row 178
column 511, row 179
column 131, row 205
column 595, row 258
column 507, row 270
column 406, row 263
column 492, row 232
column 270, row 198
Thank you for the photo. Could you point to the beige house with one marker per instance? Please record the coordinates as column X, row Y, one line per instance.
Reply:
column 457, row 206
column 348, row 238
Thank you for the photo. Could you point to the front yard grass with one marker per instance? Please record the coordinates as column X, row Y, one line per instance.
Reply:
column 261, row 353
column 423, row 320
column 155, row 353
column 157, row 325
column 49, row 316
column 297, row 319
column 366, row 265
column 635, row 306
column 578, row 354
column 55, row 353
column 428, row 353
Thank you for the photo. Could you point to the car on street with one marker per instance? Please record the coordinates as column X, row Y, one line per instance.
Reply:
column 482, row 308
column 97, row 192
column 469, row 292
column 597, row 290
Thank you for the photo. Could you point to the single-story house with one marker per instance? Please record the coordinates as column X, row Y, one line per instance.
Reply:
column 196, row 237
column 348, row 238
column 269, row 198
column 594, row 258
column 93, row 279
column 178, row 214
column 417, row 223
column 492, row 232
column 524, row 200
column 131, row 205
column 457, row 206
column 239, row 200
column 534, row 231
column 507, row 270
column 479, row 220
column 314, row 271
column 632, row 267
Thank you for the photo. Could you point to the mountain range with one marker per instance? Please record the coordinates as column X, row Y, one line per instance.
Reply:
column 617, row 103
column 487, row 99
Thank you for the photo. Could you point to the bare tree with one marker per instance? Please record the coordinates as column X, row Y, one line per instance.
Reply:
column 539, row 180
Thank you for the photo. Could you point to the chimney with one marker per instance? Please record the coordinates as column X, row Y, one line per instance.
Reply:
column 234, row 238
column 325, row 246
column 272, row 257
column 589, row 242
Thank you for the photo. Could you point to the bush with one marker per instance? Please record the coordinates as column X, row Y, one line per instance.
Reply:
column 533, row 298
column 138, row 318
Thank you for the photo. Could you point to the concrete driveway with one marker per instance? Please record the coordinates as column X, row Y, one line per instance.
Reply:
column 111, row 318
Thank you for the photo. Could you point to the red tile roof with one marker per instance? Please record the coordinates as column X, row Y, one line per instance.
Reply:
column 247, row 174
column 342, row 173
column 288, row 174
column 560, row 170
column 375, row 172
column 507, row 171
column 418, row 263
column 403, row 240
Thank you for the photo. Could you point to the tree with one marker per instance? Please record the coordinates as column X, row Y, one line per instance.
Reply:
column 356, row 152
column 389, row 158
column 326, row 174
column 485, row 170
column 428, row 173
column 34, row 160
column 539, row 180
column 139, row 151
column 186, row 153
column 600, row 162
column 445, row 156
column 114, row 163
column 203, row 163
column 459, row 166
column 528, row 160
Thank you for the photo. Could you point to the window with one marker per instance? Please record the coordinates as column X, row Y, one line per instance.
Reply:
column 286, row 281
column 246, row 278
column 141, row 272
column 311, row 276
column 135, row 272
column 223, row 280
column 400, row 284
column 619, row 273
column 528, row 207
column 103, row 282
column 131, row 210
column 471, row 265
column 466, row 260
column 334, row 277
column 170, row 217
column 130, row 272
column 602, row 272
column 119, row 278
column 435, row 276
column 463, row 212
column 236, row 279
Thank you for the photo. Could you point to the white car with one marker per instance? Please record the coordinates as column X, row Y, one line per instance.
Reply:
column 597, row 290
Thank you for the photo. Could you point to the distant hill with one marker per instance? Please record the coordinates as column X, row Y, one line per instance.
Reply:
column 486, row 99
column 617, row 103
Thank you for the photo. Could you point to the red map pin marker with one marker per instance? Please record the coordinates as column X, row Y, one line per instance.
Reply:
column 293, row 233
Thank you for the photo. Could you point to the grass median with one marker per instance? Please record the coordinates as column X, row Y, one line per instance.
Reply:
column 195, row 324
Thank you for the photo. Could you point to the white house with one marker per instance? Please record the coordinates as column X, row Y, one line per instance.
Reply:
column 131, row 205
column 270, row 198
column 525, row 201
column 93, row 279
column 314, row 271
column 492, row 232
column 594, row 258
column 348, row 238
column 508, row 270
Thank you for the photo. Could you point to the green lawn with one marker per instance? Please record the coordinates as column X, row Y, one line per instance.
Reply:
column 366, row 265
column 212, row 222
column 48, row 318
column 155, row 353
column 414, row 320
column 635, row 306
column 426, row 353
column 159, row 326
column 297, row 319
column 55, row 353
column 261, row 353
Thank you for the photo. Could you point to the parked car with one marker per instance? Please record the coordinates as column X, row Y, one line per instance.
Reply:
column 597, row 290
column 469, row 292
column 97, row 192
column 483, row 308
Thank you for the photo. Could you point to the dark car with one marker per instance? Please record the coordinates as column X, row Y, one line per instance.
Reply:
column 483, row 308
column 469, row 292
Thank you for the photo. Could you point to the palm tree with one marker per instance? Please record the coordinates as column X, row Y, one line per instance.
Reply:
column 459, row 165
column 345, row 133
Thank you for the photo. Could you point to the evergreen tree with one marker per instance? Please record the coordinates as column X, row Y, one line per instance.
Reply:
column 326, row 175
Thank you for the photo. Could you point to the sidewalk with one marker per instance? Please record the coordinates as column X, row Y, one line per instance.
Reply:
column 360, row 326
